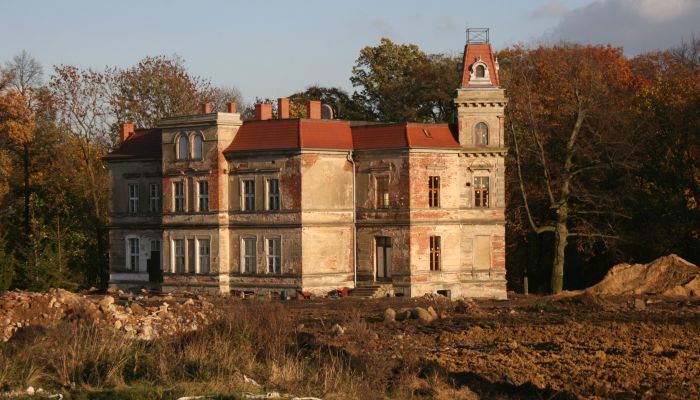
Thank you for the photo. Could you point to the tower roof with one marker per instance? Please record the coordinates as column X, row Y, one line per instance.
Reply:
column 479, row 66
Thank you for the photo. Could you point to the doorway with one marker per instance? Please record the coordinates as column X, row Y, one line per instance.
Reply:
column 383, row 258
column 155, row 270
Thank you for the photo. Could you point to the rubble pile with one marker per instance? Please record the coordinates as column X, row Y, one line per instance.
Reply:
column 143, row 317
column 666, row 276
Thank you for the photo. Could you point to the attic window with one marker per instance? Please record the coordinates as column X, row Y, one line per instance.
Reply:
column 427, row 133
column 480, row 71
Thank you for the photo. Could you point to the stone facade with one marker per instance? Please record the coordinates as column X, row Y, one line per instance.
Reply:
column 210, row 203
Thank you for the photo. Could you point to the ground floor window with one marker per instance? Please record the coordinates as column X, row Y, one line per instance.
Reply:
column 204, row 256
column 435, row 253
column 133, row 254
column 274, row 255
column 179, row 254
column 249, row 255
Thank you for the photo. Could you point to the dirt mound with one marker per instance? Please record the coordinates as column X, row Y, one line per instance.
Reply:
column 139, row 316
column 668, row 276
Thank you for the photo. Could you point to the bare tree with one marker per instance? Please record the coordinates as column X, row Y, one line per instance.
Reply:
column 27, row 73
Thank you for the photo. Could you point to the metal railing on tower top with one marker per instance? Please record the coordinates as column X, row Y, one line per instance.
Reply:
column 477, row 35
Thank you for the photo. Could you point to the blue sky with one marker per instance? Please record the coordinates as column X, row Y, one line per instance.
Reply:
column 275, row 48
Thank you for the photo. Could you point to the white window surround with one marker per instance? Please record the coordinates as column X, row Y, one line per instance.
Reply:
column 269, row 255
column 245, row 206
column 175, row 196
column 268, row 193
column 473, row 79
column 253, row 256
column 128, row 253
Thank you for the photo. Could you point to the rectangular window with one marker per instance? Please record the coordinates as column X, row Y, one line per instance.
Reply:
column 481, row 191
column 274, row 256
column 133, row 198
column 434, row 191
column 249, row 255
column 203, row 256
column 133, row 254
column 154, row 200
column 273, row 194
column 179, row 245
column 382, row 186
column 203, row 191
column 248, row 195
column 435, row 253
column 179, row 196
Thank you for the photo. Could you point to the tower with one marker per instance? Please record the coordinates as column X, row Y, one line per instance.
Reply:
column 480, row 104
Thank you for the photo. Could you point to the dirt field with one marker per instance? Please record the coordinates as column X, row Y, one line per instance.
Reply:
column 527, row 347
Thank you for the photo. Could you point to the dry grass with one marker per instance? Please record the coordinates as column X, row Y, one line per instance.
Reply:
column 255, row 339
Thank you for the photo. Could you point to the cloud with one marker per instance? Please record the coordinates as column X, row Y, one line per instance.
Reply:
column 637, row 25
column 552, row 9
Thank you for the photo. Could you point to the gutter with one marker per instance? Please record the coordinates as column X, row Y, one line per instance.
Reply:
column 354, row 221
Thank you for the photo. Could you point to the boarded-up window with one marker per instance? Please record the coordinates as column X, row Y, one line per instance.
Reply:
column 190, row 256
column 482, row 252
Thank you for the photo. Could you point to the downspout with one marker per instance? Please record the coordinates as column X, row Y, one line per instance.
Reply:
column 354, row 221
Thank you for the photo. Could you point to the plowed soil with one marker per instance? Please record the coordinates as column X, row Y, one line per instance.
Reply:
column 527, row 347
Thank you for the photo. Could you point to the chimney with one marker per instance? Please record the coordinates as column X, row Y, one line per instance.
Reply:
column 126, row 131
column 313, row 109
column 282, row 108
column 263, row 111
column 231, row 107
column 206, row 108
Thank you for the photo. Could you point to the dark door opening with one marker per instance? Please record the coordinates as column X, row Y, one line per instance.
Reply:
column 383, row 258
column 155, row 270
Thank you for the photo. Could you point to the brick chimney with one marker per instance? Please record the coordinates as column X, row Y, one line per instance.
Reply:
column 231, row 107
column 206, row 108
column 127, row 130
column 263, row 111
column 313, row 109
column 282, row 108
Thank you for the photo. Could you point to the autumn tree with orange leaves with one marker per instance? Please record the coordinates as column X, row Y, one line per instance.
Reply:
column 570, row 140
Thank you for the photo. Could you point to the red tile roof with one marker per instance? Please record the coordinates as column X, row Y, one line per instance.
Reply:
column 474, row 52
column 144, row 143
column 404, row 135
column 292, row 134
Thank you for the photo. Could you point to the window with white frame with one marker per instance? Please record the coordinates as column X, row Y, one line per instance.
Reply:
column 249, row 255
column 133, row 254
column 182, row 148
column 154, row 199
column 197, row 147
column 204, row 251
column 178, row 196
column 133, row 198
column 248, row 194
column 274, row 255
column 273, row 194
column 203, row 193
column 179, row 255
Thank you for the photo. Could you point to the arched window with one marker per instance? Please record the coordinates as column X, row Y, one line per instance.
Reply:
column 481, row 134
column 480, row 71
column 197, row 147
column 182, row 148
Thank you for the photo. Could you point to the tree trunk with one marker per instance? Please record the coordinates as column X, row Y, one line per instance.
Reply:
column 27, row 192
column 561, row 236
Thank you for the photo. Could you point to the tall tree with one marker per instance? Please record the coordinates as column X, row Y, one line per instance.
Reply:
column 570, row 150
column 403, row 83
column 152, row 89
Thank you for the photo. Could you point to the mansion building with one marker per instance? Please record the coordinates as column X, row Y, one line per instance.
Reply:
column 211, row 203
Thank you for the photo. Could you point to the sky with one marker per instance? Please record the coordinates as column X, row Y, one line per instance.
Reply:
column 275, row 48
